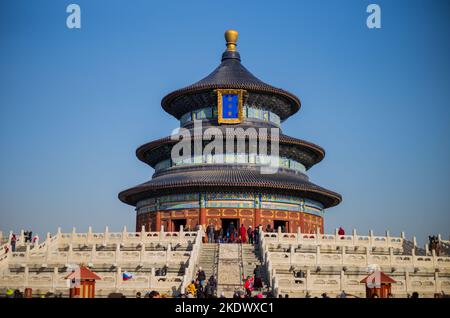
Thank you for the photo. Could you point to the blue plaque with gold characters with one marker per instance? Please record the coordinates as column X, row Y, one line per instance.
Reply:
column 230, row 106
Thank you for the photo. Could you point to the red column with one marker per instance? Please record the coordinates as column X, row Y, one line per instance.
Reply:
column 257, row 217
column 158, row 221
column 203, row 217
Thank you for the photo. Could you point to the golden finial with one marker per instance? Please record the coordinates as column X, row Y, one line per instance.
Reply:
column 231, row 37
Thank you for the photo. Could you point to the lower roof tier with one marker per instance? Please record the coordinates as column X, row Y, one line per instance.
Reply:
column 229, row 178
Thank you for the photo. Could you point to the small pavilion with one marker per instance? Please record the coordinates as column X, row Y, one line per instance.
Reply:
column 378, row 283
column 86, row 286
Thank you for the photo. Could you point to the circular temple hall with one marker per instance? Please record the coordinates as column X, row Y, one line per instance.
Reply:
column 217, row 188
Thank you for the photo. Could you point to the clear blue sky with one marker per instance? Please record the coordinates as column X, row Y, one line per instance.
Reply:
column 75, row 104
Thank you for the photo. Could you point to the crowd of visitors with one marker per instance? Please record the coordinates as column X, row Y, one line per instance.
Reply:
column 202, row 287
column 232, row 234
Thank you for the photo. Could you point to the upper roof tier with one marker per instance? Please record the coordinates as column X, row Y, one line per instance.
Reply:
column 231, row 74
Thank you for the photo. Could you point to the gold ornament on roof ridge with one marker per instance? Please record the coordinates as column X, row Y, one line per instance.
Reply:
column 231, row 36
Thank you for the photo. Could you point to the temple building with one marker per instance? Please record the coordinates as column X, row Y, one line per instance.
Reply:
column 231, row 187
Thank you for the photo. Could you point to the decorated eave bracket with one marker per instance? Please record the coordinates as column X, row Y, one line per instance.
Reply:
column 230, row 105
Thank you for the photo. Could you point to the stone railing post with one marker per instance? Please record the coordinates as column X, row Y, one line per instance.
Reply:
column 308, row 279
column 414, row 242
column 181, row 234
column 299, row 234
column 69, row 253
column 336, row 236
column 291, row 254
column 437, row 283
column 124, row 235
column 343, row 255
column 371, row 237
column 391, row 256
column 342, row 281
column 318, row 236
column 168, row 250
column 118, row 278
column 388, row 238
column 317, row 255
column 142, row 255
column 279, row 234
column 407, row 282
column 152, row 276
column 89, row 234
column 433, row 256
column 355, row 237
column 402, row 235
column 427, row 251
column 368, row 253
column 161, row 233
column 93, row 252
column 118, row 254
column 55, row 278
column 26, row 276
column 106, row 236
column 22, row 237
column 73, row 236
column 47, row 249
column 27, row 253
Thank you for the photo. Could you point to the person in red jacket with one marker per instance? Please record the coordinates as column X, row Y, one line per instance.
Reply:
column 243, row 234
column 341, row 231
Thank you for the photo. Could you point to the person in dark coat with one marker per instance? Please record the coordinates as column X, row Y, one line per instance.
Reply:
column 250, row 234
column 231, row 230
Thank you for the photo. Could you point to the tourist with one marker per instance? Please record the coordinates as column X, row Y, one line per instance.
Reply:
column 221, row 235
column 415, row 295
column 201, row 276
column 250, row 234
column 6, row 249
column 36, row 240
column 343, row 295
column 200, row 292
column 389, row 295
column 209, row 290
column 154, row 294
column 268, row 228
column 280, row 296
column 210, row 231
column 308, row 295
column 29, row 236
column 325, row 295
column 191, row 290
column 243, row 234
column 374, row 295
column 212, row 281
column 256, row 234
column 222, row 295
column 13, row 242
column 258, row 284
column 249, row 285
column 231, row 229
column 341, row 231
column 138, row 295
column 286, row 295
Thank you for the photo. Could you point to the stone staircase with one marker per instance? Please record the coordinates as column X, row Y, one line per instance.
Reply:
column 229, row 277
column 251, row 261
column 208, row 258
column 408, row 246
